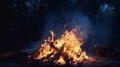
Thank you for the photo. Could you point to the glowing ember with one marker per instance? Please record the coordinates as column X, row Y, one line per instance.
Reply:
column 66, row 49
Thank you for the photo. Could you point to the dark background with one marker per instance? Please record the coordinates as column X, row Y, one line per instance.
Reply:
column 23, row 21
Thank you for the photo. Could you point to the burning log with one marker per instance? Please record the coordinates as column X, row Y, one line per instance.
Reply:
column 52, row 46
column 64, row 50
column 59, row 54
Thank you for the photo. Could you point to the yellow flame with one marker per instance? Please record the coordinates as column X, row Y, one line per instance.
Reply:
column 67, row 47
column 60, row 60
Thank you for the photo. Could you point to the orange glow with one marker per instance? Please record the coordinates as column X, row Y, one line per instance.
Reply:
column 66, row 49
column 60, row 60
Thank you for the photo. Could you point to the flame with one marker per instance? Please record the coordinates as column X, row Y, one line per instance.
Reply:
column 60, row 60
column 66, row 49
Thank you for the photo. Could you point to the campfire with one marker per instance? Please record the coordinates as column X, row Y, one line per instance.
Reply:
column 64, row 50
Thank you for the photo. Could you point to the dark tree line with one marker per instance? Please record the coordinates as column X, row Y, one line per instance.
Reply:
column 24, row 20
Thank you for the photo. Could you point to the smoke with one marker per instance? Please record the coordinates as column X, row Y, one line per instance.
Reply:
column 66, row 20
column 95, row 31
column 103, row 25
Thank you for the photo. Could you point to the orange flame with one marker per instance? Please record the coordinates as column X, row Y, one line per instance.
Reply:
column 66, row 49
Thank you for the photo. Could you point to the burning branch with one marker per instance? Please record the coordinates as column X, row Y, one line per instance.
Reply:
column 64, row 50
